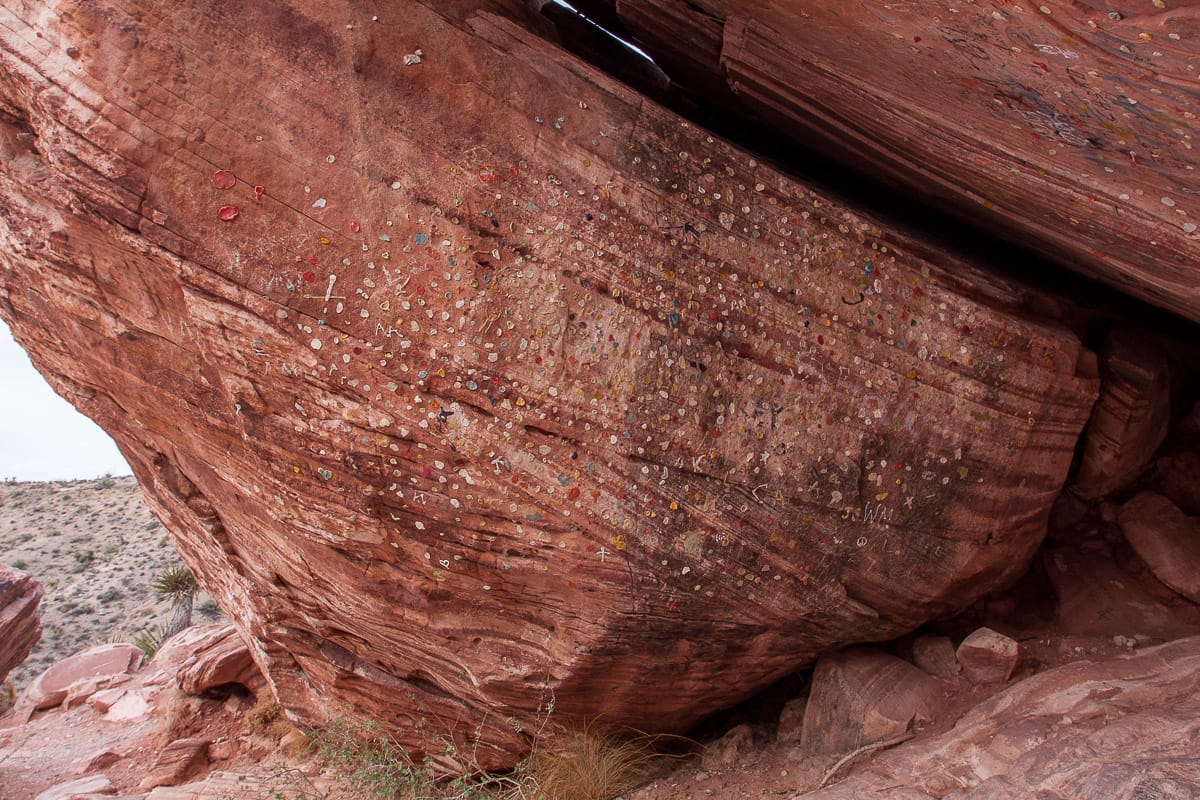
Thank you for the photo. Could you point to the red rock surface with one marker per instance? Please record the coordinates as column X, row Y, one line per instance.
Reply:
column 861, row 696
column 77, row 677
column 1131, row 415
column 1068, row 126
column 1167, row 539
column 504, row 384
column 20, row 625
column 1125, row 727
column 220, row 657
column 988, row 656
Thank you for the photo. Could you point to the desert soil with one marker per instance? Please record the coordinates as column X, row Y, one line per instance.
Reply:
column 96, row 549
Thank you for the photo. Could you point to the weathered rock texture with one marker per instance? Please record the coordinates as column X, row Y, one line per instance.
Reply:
column 1130, row 418
column 1167, row 539
column 861, row 696
column 74, row 679
column 20, row 624
column 220, row 658
column 471, row 383
column 1068, row 126
column 1121, row 728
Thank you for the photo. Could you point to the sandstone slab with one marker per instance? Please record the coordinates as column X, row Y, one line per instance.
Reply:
column 20, row 625
column 860, row 696
column 578, row 402
column 1167, row 539
column 988, row 656
column 78, row 676
column 84, row 788
column 1067, row 126
column 176, row 762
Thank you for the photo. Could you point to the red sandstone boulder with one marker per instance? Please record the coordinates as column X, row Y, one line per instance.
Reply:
column 860, row 696
column 475, row 381
column 77, row 677
column 1166, row 539
column 1130, row 418
column 176, row 762
column 219, row 659
column 20, row 624
column 987, row 656
column 935, row 655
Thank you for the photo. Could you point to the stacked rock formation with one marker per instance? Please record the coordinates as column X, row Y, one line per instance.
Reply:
column 467, row 379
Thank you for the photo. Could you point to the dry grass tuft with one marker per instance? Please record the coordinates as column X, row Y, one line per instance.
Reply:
column 590, row 766
column 266, row 717
column 175, row 712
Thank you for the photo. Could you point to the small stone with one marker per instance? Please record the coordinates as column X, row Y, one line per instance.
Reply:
column 729, row 749
column 988, row 657
column 935, row 655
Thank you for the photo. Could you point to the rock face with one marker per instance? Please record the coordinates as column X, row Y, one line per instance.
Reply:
column 475, row 380
column 1068, row 126
column 20, row 625
column 1121, row 728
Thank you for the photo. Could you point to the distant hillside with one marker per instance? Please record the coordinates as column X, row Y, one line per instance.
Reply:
column 96, row 548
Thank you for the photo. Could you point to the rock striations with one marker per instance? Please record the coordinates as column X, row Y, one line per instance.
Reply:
column 1067, row 126
column 468, row 380
column 20, row 624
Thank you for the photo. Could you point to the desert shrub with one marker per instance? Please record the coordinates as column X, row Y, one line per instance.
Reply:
column 374, row 765
column 83, row 560
column 110, row 594
column 19, row 564
column 266, row 718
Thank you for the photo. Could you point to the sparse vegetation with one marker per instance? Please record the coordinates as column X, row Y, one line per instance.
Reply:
column 579, row 765
column 210, row 610
column 149, row 640
column 589, row 766
column 179, row 585
column 266, row 718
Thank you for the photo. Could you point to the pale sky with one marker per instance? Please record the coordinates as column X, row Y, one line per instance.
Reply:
column 42, row 436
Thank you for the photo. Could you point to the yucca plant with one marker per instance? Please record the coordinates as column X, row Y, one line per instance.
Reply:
column 178, row 584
